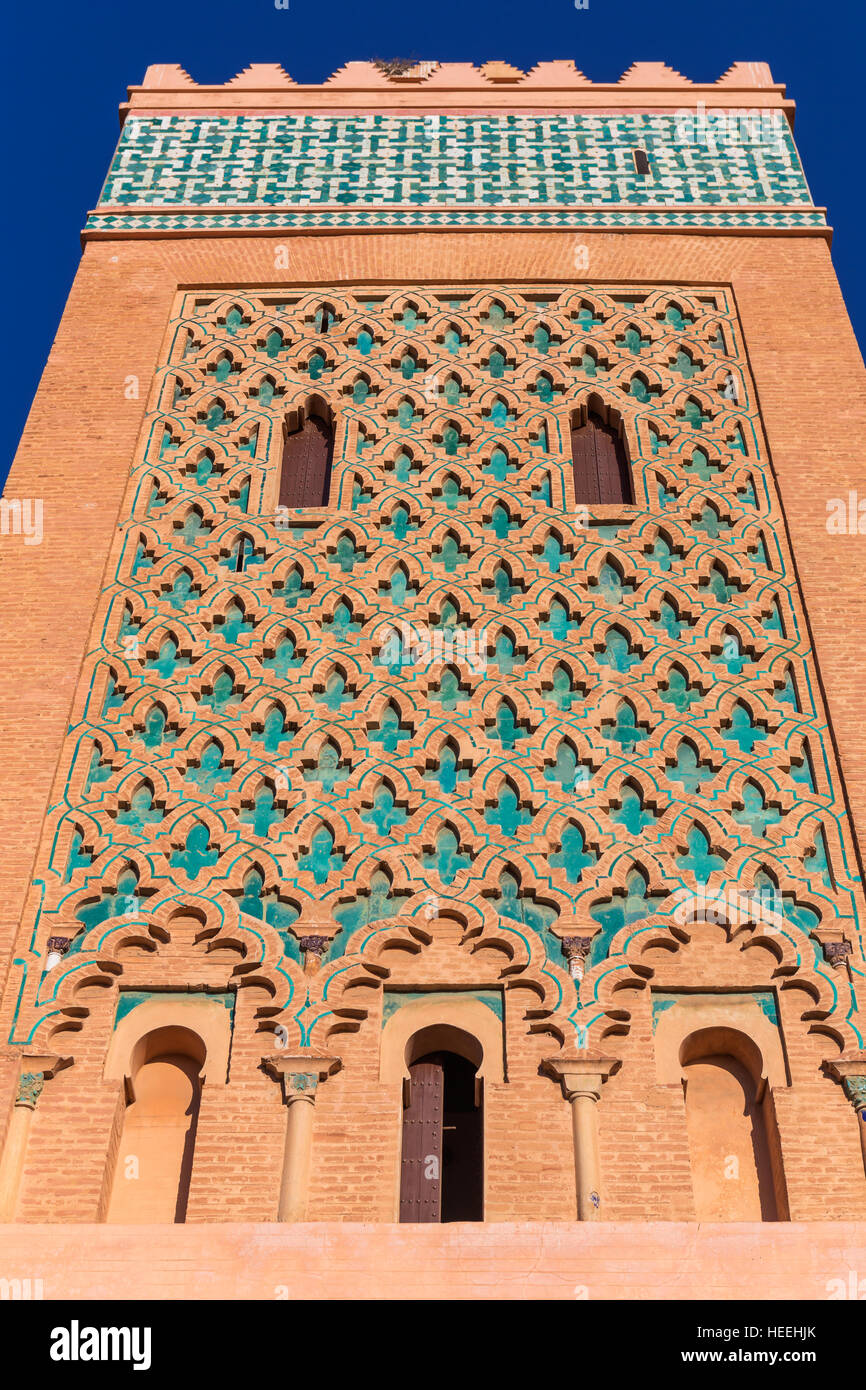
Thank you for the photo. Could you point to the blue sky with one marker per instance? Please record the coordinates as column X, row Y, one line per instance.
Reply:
column 68, row 67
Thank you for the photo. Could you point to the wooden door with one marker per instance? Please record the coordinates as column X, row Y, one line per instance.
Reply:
column 601, row 471
column 306, row 476
column 421, row 1173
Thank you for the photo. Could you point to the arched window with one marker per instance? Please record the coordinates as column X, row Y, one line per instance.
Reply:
column 731, row 1130
column 442, row 1170
column 601, row 468
column 305, row 479
column 157, row 1142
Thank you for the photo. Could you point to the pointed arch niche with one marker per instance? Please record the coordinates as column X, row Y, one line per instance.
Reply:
column 726, row 1052
column 158, row 1054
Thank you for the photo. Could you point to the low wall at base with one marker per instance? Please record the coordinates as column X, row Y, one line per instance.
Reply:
column 603, row 1260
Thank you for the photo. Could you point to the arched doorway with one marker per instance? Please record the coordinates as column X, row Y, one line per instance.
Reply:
column 157, row 1142
column 730, row 1133
column 442, row 1168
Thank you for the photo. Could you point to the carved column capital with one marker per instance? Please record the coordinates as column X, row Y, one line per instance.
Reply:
column 834, row 946
column 576, row 949
column 56, row 950
column 312, row 949
column 300, row 1075
column 36, row 1069
column 29, row 1090
column 851, row 1071
column 580, row 1075
column 855, row 1090
column 836, row 952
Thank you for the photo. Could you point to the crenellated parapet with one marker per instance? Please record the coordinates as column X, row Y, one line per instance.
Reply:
column 431, row 77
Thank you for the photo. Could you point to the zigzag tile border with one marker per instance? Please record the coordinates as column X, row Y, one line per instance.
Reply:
column 374, row 218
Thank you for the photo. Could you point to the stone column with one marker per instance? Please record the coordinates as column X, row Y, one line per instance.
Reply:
column 581, row 1079
column 299, row 1077
column 35, row 1071
column 852, row 1074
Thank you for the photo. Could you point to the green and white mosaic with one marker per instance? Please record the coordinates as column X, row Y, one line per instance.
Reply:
column 503, row 170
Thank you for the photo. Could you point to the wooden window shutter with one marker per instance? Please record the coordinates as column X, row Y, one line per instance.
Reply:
column 601, row 469
column 306, row 475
